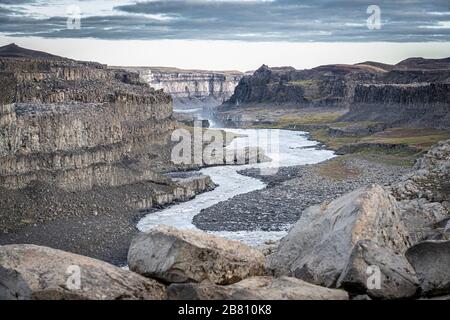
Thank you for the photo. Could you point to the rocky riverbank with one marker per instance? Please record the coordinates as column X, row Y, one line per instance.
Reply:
column 292, row 190
column 375, row 242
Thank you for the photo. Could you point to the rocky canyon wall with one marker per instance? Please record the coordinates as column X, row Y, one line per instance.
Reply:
column 419, row 104
column 191, row 88
column 79, row 125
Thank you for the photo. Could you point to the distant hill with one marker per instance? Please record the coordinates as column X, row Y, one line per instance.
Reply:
column 424, row 64
column 14, row 51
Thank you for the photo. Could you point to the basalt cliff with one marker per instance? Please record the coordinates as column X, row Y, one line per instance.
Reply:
column 77, row 139
column 78, row 125
column 414, row 92
column 191, row 88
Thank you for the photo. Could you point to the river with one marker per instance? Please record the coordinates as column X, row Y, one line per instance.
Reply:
column 284, row 147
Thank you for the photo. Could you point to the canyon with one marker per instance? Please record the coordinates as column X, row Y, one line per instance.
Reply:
column 191, row 89
column 85, row 165
column 414, row 92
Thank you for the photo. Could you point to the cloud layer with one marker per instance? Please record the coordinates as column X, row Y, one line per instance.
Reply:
column 250, row 20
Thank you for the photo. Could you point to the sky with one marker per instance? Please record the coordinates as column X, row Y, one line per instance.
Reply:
column 229, row 34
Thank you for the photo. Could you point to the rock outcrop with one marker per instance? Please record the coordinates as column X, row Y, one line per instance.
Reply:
column 397, row 279
column 430, row 178
column 318, row 247
column 177, row 256
column 413, row 104
column 414, row 92
column 191, row 88
column 431, row 261
column 255, row 288
column 325, row 86
column 29, row 272
column 79, row 125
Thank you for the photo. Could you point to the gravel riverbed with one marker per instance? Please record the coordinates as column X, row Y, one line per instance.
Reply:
column 292, row 190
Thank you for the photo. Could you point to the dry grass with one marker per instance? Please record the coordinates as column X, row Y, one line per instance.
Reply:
column 337, row 169
column 421, row 139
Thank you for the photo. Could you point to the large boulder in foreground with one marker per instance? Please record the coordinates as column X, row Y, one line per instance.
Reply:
column 431, row 261
column 319, row 245
column 174, row 256
column 431, row 176
column 378, row 272
column 255, row 288
column 34, row 272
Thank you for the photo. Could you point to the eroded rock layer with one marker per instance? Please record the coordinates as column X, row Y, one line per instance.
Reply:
column 191, row 88
column 78, row 125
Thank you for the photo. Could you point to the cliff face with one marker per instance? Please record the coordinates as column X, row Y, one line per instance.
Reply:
column 416, row 92
column 320, row 87
column 191, row 88
column 78, row 125
column 413, row 92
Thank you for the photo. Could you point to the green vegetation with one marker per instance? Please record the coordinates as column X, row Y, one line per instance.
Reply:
column 302, row 121
column 303, row 83
column 334, row 143
column 421, row 139
column 417, row 139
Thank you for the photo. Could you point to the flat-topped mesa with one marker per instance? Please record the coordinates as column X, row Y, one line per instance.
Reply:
column 79, row 124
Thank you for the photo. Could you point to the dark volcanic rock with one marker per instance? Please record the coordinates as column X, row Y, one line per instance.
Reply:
column 319, row 87
column 397, row 278
column 431, row 260
column 415, row 92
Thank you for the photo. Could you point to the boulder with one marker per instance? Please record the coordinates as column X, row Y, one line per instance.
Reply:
column 422, row 218
column 431, row 261
column 319, row 245
column 34, row 272
column 431, row 176
column 255, row 288
column 173, row 255
column 378, row 272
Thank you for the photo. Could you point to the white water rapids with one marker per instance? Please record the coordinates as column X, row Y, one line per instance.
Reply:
column 290, row 151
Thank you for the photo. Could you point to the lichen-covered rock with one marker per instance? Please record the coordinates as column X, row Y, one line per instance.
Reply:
column 431, row 176
column 34, row 272
column 319, row 245
column 368, row 261
column 173, row 255
column 423, row 219
column 255, row 288
column 431, row 261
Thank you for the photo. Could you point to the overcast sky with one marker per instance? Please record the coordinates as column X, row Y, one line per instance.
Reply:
column 229, row 34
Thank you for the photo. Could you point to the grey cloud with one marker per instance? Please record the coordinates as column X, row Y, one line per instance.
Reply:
column 279, row 20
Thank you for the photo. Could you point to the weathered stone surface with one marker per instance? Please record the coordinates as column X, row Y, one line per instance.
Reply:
column 34, row 272
column 255, row 288
column 319, row 245
column 431, row 176
column 431, row 261
column 423, row 218
column 173, row 255
column 397, row 277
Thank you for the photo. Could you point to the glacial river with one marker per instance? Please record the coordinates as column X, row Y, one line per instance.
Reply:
column 284, row 147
